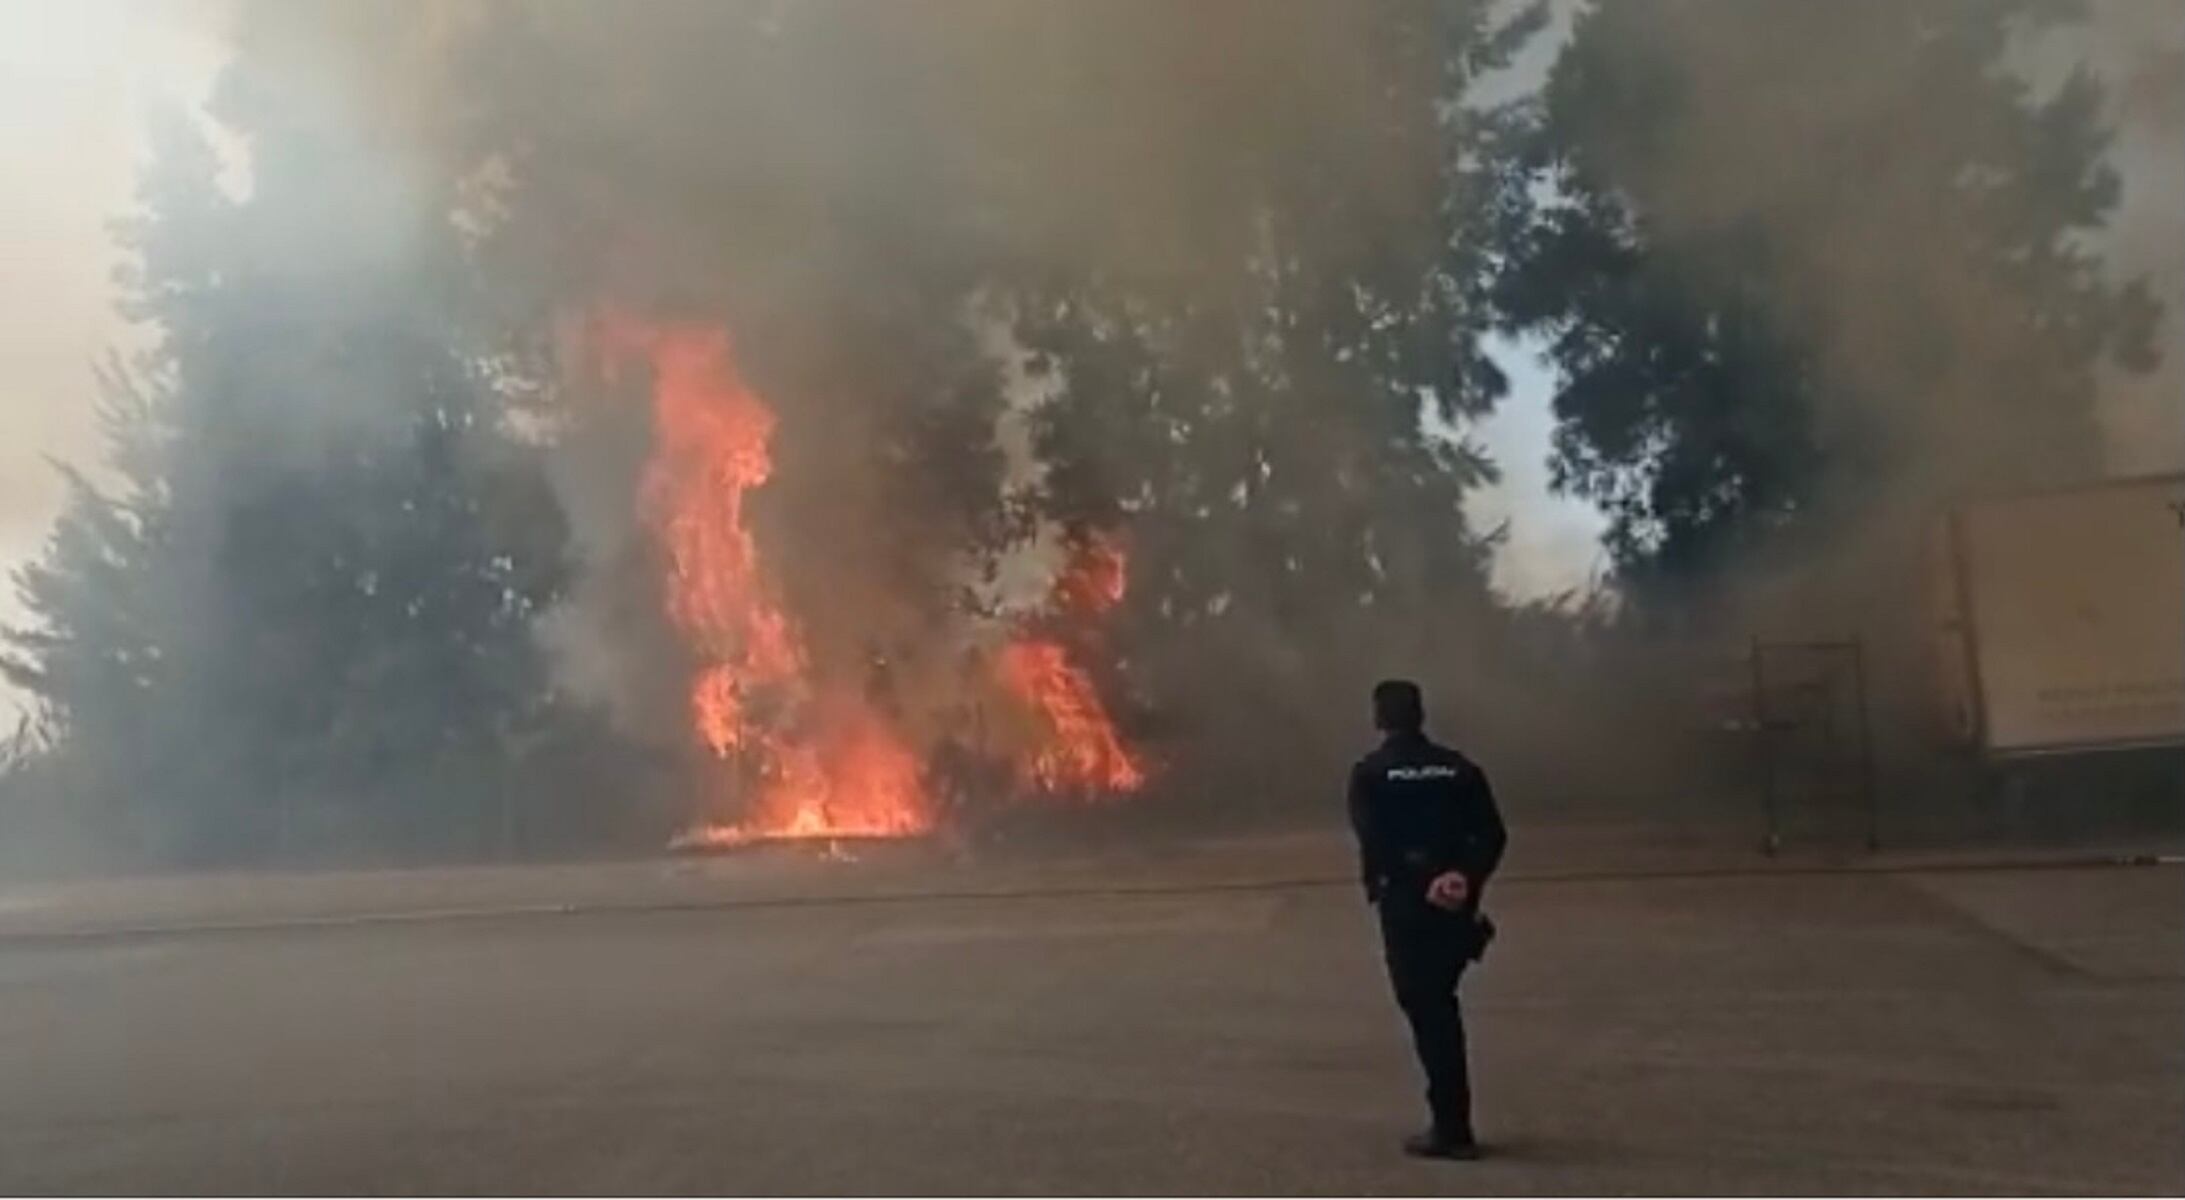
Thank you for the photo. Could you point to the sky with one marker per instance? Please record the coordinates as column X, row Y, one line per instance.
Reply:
column 76, row 77
column 1551, row 543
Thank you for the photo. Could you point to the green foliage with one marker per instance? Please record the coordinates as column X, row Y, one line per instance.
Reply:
column 308, row 599
column 1279, row 426
column 1795, row 258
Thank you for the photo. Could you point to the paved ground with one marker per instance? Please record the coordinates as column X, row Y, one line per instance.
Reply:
column 1917, row 1031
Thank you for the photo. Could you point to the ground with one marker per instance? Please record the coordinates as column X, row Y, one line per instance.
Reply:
column 1216, row 1023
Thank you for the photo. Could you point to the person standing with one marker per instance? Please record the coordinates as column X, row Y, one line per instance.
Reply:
column 1429, row 837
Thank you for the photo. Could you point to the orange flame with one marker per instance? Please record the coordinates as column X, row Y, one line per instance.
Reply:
column 1094, row 579
column 1082, row 749
column 826, row 765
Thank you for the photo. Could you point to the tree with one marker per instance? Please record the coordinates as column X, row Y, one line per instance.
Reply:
column 1801, row 264
column 1283, row 212
column 1278, row 423
column 312, row 599
column 1248, row 241
column 93, row 661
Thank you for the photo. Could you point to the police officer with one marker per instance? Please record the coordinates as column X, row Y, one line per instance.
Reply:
column 1428, row 838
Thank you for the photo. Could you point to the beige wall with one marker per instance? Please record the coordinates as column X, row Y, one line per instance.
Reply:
column 2077, row 607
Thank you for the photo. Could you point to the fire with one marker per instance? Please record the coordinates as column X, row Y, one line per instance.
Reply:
column 857, row 780
column 822, row 763
column 717, row 710
column 797, row 753
column 1094, row 579
column 1082, row 750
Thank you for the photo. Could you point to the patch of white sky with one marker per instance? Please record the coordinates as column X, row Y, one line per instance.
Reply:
column 1551, row 543
column 78, row 82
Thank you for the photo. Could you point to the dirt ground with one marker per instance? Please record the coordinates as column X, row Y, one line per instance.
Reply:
column 1212, row 1022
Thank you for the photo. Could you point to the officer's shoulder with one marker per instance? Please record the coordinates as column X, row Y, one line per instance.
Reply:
column 1451, row 756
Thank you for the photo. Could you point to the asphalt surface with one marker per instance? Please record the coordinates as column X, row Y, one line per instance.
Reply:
column 1992, row 1031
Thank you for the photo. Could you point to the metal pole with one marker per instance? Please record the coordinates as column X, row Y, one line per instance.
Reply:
column 1763, row 737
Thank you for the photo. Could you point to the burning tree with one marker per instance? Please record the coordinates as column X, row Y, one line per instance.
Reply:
column 800, row 746
column 1237, row 289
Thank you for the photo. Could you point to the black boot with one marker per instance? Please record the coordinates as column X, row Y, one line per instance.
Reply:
column 1439, row 1143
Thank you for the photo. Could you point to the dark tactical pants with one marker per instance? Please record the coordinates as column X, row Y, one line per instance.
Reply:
column 1427, row 950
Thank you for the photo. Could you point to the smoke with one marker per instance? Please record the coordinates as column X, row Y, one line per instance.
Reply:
column 861, row 195
column 837, row 183
column 2138, row 50
column 1236, row 225
column 1881, row 187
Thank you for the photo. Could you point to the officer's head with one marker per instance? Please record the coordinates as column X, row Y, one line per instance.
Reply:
column 1398, row 707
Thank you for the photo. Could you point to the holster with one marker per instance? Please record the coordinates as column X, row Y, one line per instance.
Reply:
column 1483, row 935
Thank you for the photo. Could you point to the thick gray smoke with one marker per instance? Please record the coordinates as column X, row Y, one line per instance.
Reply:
column 2139, row 51
column 1197, row 276
column 862, row 194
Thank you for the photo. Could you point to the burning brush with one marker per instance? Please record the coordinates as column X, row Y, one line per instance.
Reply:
column 800, row 755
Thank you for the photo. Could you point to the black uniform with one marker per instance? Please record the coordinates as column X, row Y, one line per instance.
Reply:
column 1420, row 810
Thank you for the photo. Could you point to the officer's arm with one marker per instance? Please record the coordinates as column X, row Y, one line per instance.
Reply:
column 1483, row 849
column 1369, row 841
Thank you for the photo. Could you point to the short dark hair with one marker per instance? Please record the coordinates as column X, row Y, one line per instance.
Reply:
column 1398, row 706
